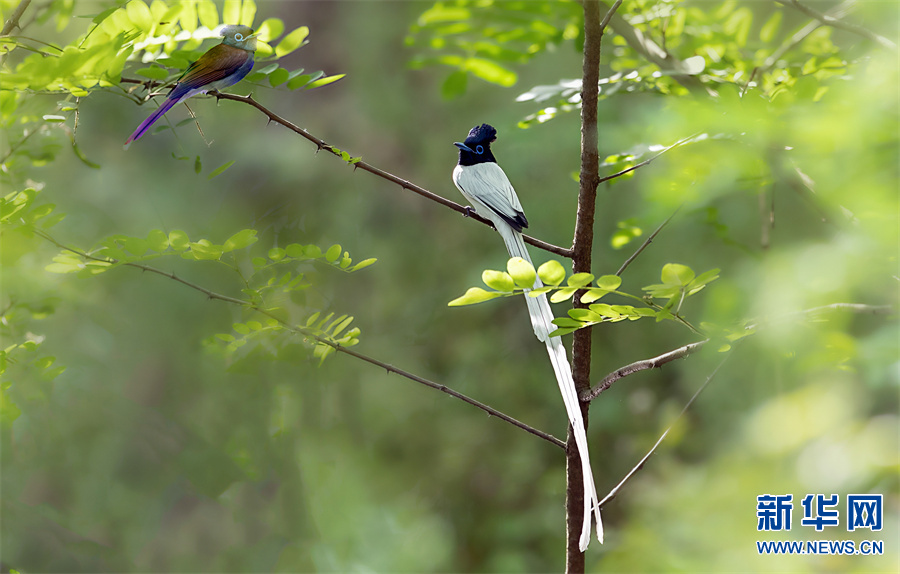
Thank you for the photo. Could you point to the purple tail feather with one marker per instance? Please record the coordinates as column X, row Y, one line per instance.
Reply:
column 145, row 125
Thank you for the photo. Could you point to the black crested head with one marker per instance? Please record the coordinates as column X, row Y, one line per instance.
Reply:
column 477, row 147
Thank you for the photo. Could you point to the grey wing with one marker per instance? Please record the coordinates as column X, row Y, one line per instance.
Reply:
column 487, row 183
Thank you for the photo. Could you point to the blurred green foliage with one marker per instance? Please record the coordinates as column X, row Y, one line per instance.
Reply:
column 145, row 428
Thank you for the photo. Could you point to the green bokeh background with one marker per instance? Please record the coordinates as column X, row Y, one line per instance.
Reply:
column 150, row 453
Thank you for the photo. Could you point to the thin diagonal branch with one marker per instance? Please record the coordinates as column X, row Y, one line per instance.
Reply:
column 839, row 24
column 647, row 242
column 365, row 166
column 609, row 14
column 322, row 145
column 306, row 333
column 812, row 312
column 14, row 17
column 654, row 363
column 640, row 465
column 647, row 161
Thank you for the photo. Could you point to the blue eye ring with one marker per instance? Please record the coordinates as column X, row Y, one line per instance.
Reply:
column 479, row 150
column 238, row 37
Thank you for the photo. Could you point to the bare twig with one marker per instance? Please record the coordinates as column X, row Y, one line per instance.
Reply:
column 853, row 307
column 798, row 37
column 615, row 490
column 654, row 363
column 838, row 11
column 17, row 145
column 814, row 311
column 647, row 161
column 609, row 14
column 14, row 18
column 322, row 145
column 839, row 24
column 766, row 217
column 365, row 166
column 681, row 352
column 306, row 333
column 647, row 242
column 687, row 349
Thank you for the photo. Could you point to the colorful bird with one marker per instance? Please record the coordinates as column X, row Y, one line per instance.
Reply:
column 486, row 186
column 221, row 66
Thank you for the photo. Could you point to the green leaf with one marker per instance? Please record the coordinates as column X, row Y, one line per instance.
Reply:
column 610, row 282
column 498, row 280
column 363, row 264
column 276, row 254
column 198, row 165
column 580, row 280
column 241, row 239
column 474, row 295
column 625, row 233
column 278, row 77
column 552, row 272
column 539, row 291
column 299, row 81
column 333, row 253
column 139, row 13
column 490, row 71
column 706, row 277
column 770, row 28
column 270, row 29
column 208, row 13
column 291, row 42
column 443, row 13
column 592, row 295
column 661, row 291
column 455, row 85
column 153, row 72
column 268, row 69
column 204, row 250
column 522, row 272
column 676, row 274
column 231, row 12
column 188, row 17
column 220, row 169
column 336, row 330
column 136, row 245
column 104, row 15
column 323, row 82
column 248, row 13
column 605, row 310
column 585, row 315
column 563, row 294
column 178, row 240
column 567, row 322
column 157, row 240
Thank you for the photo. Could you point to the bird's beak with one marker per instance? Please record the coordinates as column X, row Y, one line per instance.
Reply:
column 463, row 147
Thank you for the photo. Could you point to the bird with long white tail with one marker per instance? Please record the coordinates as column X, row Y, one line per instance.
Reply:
column 485, row 185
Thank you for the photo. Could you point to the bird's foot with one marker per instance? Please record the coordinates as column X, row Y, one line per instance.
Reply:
column 468, row 211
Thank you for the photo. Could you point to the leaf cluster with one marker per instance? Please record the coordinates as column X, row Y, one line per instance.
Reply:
column 678, row 283
column 485, row 38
